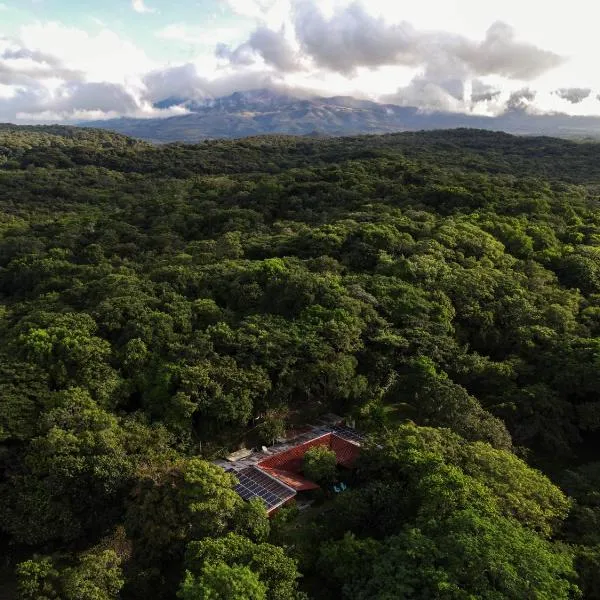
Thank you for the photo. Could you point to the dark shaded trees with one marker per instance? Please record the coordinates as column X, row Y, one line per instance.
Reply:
column 160, row 304
column 473, row 522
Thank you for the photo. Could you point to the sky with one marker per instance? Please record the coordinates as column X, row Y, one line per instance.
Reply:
column 71, row 60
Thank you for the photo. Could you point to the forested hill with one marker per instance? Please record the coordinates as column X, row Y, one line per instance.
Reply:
column 161, row 305
column 469, row 149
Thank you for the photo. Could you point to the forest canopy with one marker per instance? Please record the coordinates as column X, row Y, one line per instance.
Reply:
column 160, row 306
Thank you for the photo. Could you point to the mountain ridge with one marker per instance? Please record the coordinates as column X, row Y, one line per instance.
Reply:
column 262, row 111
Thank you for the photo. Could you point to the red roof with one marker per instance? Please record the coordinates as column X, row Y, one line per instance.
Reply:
column 287, row 465
column 345, row 451
column 294, row 480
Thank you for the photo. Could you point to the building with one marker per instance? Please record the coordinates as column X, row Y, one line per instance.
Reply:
column 275, row 474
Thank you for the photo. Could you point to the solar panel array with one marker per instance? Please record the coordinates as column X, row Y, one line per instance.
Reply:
column 253, row 483
column 348, row 433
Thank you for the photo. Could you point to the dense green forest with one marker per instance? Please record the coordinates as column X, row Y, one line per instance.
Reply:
column 161, row 305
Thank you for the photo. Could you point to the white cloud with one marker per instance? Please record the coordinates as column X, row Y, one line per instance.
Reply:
column 272, row 47
column 6, row 91
column 103, row 56
column 185, row 81
column 54, row 116
column 352, row 37
column 457, row 55
column 48, row 68
column 350, row 40
column 573, row 95
column 140, row 7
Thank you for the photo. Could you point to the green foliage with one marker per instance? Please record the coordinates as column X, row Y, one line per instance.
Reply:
column 37, row 579
column 222, row 582
column 159, row 304
column 272, row 428
column 467, row 556
column 444, row 471
column 472, row 522
column 252, row 521
column 73, row 475
column 437, row 400
column 587, row 561
column 582, row 527
column 212, row 501
column 176, row 502
column 71, row 355
column 275, row 571
column 319, row 465
column 95, row 576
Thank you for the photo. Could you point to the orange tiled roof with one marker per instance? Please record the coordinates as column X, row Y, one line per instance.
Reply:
column 345, row 451
column 287, row 465
column 294, row 480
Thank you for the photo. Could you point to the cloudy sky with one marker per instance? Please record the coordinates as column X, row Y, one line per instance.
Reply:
column 64, row 60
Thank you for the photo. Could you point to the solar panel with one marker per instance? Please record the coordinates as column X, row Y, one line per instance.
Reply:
column 253, row 483
column 347, row 433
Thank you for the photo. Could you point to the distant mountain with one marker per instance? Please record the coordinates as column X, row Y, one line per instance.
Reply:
column 260, row 112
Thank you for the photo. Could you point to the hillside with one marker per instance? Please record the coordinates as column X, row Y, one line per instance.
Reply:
column 261, row 112
column 161, row 306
